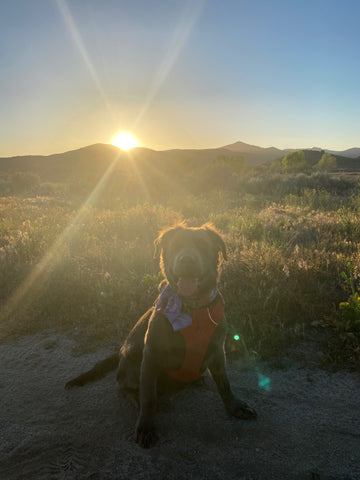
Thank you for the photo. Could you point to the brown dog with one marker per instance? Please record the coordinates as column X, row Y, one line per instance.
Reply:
column 182, row 334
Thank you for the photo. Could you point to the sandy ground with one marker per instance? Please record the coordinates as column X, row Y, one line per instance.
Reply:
column 308, row 424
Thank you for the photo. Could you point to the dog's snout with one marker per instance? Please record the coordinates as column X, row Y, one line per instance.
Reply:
column 186, row 261
column 187, row 264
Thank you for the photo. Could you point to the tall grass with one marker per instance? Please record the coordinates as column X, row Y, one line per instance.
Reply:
column 290, row 240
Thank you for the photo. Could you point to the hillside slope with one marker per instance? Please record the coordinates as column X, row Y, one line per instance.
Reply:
column 91, row 162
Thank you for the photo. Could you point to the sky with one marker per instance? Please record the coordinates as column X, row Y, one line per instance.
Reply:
column 179, row 73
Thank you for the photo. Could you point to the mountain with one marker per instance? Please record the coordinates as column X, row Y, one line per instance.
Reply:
column 62, row 166
column 91, row 162
column 254, row 155
column 350, row 153
column 94, row 159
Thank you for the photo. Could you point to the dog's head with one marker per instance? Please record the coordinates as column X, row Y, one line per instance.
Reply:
column 190, row 258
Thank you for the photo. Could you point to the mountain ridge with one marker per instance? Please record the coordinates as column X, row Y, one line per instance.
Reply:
column 236, row 147
column 239, row 146
column 96, row 159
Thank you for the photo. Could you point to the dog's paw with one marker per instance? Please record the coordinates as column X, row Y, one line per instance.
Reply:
column 146, row 437
column 241, row 410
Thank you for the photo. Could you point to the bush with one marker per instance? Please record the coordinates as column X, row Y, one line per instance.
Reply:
column 327, row 162
column 23, row 182
column 346, row 323
column 294, row 161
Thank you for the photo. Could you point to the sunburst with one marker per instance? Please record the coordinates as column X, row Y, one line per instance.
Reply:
column 125, row 141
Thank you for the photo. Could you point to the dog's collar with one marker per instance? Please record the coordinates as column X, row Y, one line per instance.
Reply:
column 170, row 303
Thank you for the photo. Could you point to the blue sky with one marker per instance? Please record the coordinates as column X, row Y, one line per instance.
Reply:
column 178, row 74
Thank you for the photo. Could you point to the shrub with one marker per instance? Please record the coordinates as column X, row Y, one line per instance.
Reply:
column 327, row 162
column 346, row 324
column 294, row 161
column 24, row 181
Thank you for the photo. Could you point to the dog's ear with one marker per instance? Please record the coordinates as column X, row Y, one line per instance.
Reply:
column 216, row 239
column 165, row 236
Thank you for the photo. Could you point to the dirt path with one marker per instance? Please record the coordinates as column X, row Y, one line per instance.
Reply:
column 308, row 425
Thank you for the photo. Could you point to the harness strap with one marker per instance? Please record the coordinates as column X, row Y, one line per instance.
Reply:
column 197, row 337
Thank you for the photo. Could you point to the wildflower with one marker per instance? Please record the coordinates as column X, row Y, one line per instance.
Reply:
column 286, row 270
column 302, row 264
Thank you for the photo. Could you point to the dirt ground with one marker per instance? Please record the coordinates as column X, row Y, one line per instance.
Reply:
column 308, row 424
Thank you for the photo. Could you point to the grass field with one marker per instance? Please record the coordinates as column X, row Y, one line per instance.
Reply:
column 84, row 264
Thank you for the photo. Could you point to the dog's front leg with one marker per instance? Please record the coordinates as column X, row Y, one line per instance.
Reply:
column 234, row 407
column 145, row 431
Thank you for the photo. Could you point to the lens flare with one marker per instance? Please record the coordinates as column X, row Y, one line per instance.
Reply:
column 263, row 382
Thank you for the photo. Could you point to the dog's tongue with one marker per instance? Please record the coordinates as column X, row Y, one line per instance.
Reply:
column 187, row 286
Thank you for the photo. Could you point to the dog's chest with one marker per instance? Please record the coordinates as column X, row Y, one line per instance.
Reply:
column 197, row 337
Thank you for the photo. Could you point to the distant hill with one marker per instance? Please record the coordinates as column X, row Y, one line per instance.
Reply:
column 254, row 155
column 350, row 153
column 313, row 156
column 62, row 165
column 91, row 162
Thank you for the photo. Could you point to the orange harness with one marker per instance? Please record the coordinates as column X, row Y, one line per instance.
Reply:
column 197, row 337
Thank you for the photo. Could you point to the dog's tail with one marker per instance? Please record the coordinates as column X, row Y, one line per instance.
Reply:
column 99, row 370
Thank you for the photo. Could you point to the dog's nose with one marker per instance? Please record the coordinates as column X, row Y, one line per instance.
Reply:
column 186, row 265
column 186, row 261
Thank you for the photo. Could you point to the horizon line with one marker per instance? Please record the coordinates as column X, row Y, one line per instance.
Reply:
column 179, row 148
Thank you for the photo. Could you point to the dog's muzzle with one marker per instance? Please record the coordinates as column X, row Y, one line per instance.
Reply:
column 188, row 272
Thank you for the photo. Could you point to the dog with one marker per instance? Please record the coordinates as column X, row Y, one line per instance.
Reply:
column 182, row 334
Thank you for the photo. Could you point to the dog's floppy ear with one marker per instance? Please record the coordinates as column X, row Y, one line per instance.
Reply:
column 165, row 236
column 216, row 239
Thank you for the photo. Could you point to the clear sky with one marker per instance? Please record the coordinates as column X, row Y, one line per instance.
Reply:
column 179, row 73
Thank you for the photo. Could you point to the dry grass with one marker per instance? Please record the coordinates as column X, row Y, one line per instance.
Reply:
column 89, row 270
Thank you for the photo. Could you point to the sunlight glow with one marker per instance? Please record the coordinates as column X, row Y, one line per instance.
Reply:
column 191, row 13
column 80, row 45
column 125, row 141
column 30, row 289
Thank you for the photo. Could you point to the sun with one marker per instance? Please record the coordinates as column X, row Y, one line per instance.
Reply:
column 125, row 141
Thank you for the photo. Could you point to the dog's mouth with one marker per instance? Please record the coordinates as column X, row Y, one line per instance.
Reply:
column 189, row 275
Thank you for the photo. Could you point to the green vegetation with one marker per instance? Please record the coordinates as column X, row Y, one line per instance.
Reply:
column 294, row 161
column 347, row 321
column 81, row 260
column 327, row 162
column 308, row 161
